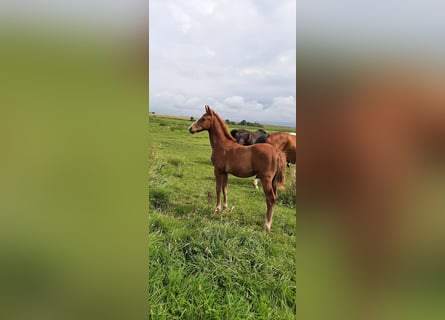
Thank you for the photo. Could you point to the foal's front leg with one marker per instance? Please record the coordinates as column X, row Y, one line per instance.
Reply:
column 224, row 189
column 219, row 179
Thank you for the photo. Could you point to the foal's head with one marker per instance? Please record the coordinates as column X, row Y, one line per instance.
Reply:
column 203, row 123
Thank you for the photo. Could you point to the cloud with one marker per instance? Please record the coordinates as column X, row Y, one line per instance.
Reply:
column 236, row 108
column 283, row 103
column 234, row 101
column 281, row 108
column 233, row 55
column 239, row 103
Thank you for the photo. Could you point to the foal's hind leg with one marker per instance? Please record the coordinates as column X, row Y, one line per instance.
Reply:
column 271, row 199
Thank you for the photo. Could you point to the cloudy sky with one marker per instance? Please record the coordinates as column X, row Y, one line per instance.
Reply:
column 405, row 27
column 239, row 57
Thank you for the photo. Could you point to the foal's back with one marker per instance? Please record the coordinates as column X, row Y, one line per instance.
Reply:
column 248, row 161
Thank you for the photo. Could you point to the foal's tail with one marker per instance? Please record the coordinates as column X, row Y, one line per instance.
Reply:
column 278, row 179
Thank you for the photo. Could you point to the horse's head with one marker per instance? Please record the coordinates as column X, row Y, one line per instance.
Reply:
column 203, row 123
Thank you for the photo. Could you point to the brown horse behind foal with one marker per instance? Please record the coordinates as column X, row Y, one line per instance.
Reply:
column 262, row 160
column 285, row 142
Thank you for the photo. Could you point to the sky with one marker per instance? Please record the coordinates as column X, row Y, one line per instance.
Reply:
column 239, row 57
column 414, row 28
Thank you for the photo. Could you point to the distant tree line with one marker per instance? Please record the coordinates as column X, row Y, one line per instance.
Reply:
column 245, row 123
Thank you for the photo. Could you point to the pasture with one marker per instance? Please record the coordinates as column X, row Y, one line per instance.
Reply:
column 205, row 266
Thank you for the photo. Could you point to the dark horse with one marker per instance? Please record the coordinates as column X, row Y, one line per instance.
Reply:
column 247, row 138
column 262, row 160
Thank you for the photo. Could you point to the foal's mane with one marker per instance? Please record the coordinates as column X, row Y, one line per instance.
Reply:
column 224, row 127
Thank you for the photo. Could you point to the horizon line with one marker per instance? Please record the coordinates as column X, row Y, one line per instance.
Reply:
column 277, row 123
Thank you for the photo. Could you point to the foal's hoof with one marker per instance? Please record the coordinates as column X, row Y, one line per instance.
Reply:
column 266, row 229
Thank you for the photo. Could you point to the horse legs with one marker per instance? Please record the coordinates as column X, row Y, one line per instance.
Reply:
column 255, row 183
column 224, row 189
column 219, row 178
column 271, row 199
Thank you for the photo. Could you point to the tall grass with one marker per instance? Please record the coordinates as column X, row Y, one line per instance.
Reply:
column 205, row 266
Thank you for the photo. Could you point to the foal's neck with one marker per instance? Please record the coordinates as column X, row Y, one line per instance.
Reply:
column 219, row 136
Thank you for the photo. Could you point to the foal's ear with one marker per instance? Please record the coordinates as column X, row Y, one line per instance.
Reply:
column 208, row 110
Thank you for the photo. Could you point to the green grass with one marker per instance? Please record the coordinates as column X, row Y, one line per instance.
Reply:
column 205, row 266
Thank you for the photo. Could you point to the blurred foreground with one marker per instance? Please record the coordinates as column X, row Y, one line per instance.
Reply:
column 73, row 166
column 370, row 187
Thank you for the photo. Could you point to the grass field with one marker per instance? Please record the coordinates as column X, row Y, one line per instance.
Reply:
column 203, row 266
